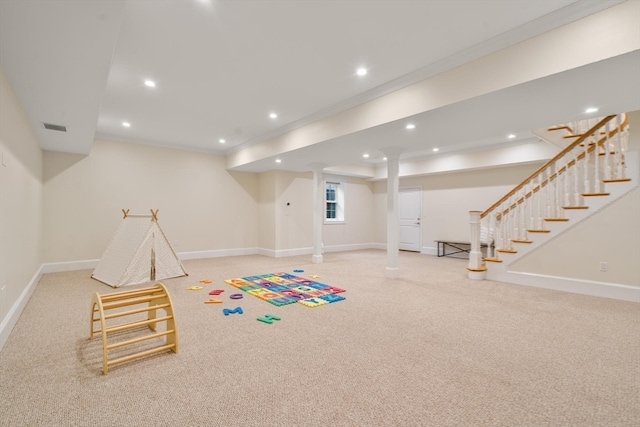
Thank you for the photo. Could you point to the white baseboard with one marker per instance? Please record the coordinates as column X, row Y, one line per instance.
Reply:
column 10, row 320
column 57, row 267
column 352, row 247
column 291, row 252
column 573, row 285
column 429, row 250
column 217, row 253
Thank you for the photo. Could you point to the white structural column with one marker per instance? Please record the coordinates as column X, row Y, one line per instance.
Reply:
column 393, row 221
column 318, row 209
column 477, row 270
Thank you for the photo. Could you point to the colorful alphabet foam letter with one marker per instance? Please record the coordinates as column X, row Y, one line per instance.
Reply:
column 268, row 318
column 228, row 311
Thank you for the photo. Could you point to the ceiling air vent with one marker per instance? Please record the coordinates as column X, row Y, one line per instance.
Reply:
column 51, row 126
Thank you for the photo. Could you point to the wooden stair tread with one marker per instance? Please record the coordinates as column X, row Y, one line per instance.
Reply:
column 507, row 250
column 538, row 231
column 492, row 259
column 575, row 207
column 594, row 194
column 617, row 180
column 556, row 219
column 521, row 241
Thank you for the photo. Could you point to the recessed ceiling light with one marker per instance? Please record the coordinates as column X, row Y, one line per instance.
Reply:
column 410, row 126
column 221, row 141
column 384, row 158
column 511, row 136
column 361, row 71
column 273, row 115
column 591, row 110
column 150, row 83
column 126, row 124
column 436, row 149
column 365, row 155
column 278, row 161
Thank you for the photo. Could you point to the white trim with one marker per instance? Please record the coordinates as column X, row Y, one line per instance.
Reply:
column 429, row 250
column 10, row 320
column 340, row 201
column 58, row 267
column 266, row 252
column 351, row 247
column 217, row 253
column 282, row 253
column 576, row 286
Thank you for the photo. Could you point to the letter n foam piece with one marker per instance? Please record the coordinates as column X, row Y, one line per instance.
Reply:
column 268, row 318
column 228, row 311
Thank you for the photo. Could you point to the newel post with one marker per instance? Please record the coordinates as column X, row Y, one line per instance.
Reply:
column 477, row 269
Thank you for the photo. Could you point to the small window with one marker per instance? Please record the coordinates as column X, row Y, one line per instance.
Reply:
column 334, row 201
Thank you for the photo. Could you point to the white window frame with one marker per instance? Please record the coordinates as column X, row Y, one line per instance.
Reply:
column 341, row 187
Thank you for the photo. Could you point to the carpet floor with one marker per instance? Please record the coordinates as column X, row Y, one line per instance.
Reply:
column 431, row 348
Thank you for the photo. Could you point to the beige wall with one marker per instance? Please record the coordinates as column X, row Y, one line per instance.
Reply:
column 612, row 235
column 20, row 201
column 447, row 199
column 360, row 217
column 286, row 214
column 202, row 206
column 267, row 211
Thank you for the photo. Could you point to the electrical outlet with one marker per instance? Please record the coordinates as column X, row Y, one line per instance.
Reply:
column 604, row 266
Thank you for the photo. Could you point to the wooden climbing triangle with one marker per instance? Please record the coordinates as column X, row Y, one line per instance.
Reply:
column 131, row 307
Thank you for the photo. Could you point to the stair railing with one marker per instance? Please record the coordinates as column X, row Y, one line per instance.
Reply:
column 577, row 171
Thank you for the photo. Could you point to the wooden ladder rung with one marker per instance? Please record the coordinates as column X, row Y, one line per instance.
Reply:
column 129, row 312
column 137, row 310
column 128, row 294
column 140, row 339
column 133, row 324
column 124, row 303
column 141, row 354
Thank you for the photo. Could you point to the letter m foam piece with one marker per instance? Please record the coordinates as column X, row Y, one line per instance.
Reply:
column 228, row 311
column 268, row 318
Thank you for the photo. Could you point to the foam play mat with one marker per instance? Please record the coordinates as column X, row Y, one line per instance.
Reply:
column 284, row 288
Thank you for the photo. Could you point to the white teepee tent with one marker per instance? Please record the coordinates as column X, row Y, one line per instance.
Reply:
column 138, row 252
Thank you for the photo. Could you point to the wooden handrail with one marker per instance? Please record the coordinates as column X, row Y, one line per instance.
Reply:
column 562, row 152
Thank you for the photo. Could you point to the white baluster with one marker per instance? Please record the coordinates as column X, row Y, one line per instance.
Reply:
column 607, row 152
column 585, row 164
column 597, row 179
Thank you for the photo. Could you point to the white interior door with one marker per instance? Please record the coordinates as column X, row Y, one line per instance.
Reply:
column 410, row 214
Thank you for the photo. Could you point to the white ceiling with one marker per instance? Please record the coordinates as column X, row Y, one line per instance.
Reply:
column 221, row 67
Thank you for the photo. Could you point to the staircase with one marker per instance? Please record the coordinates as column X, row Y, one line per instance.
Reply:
column 587, row 175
